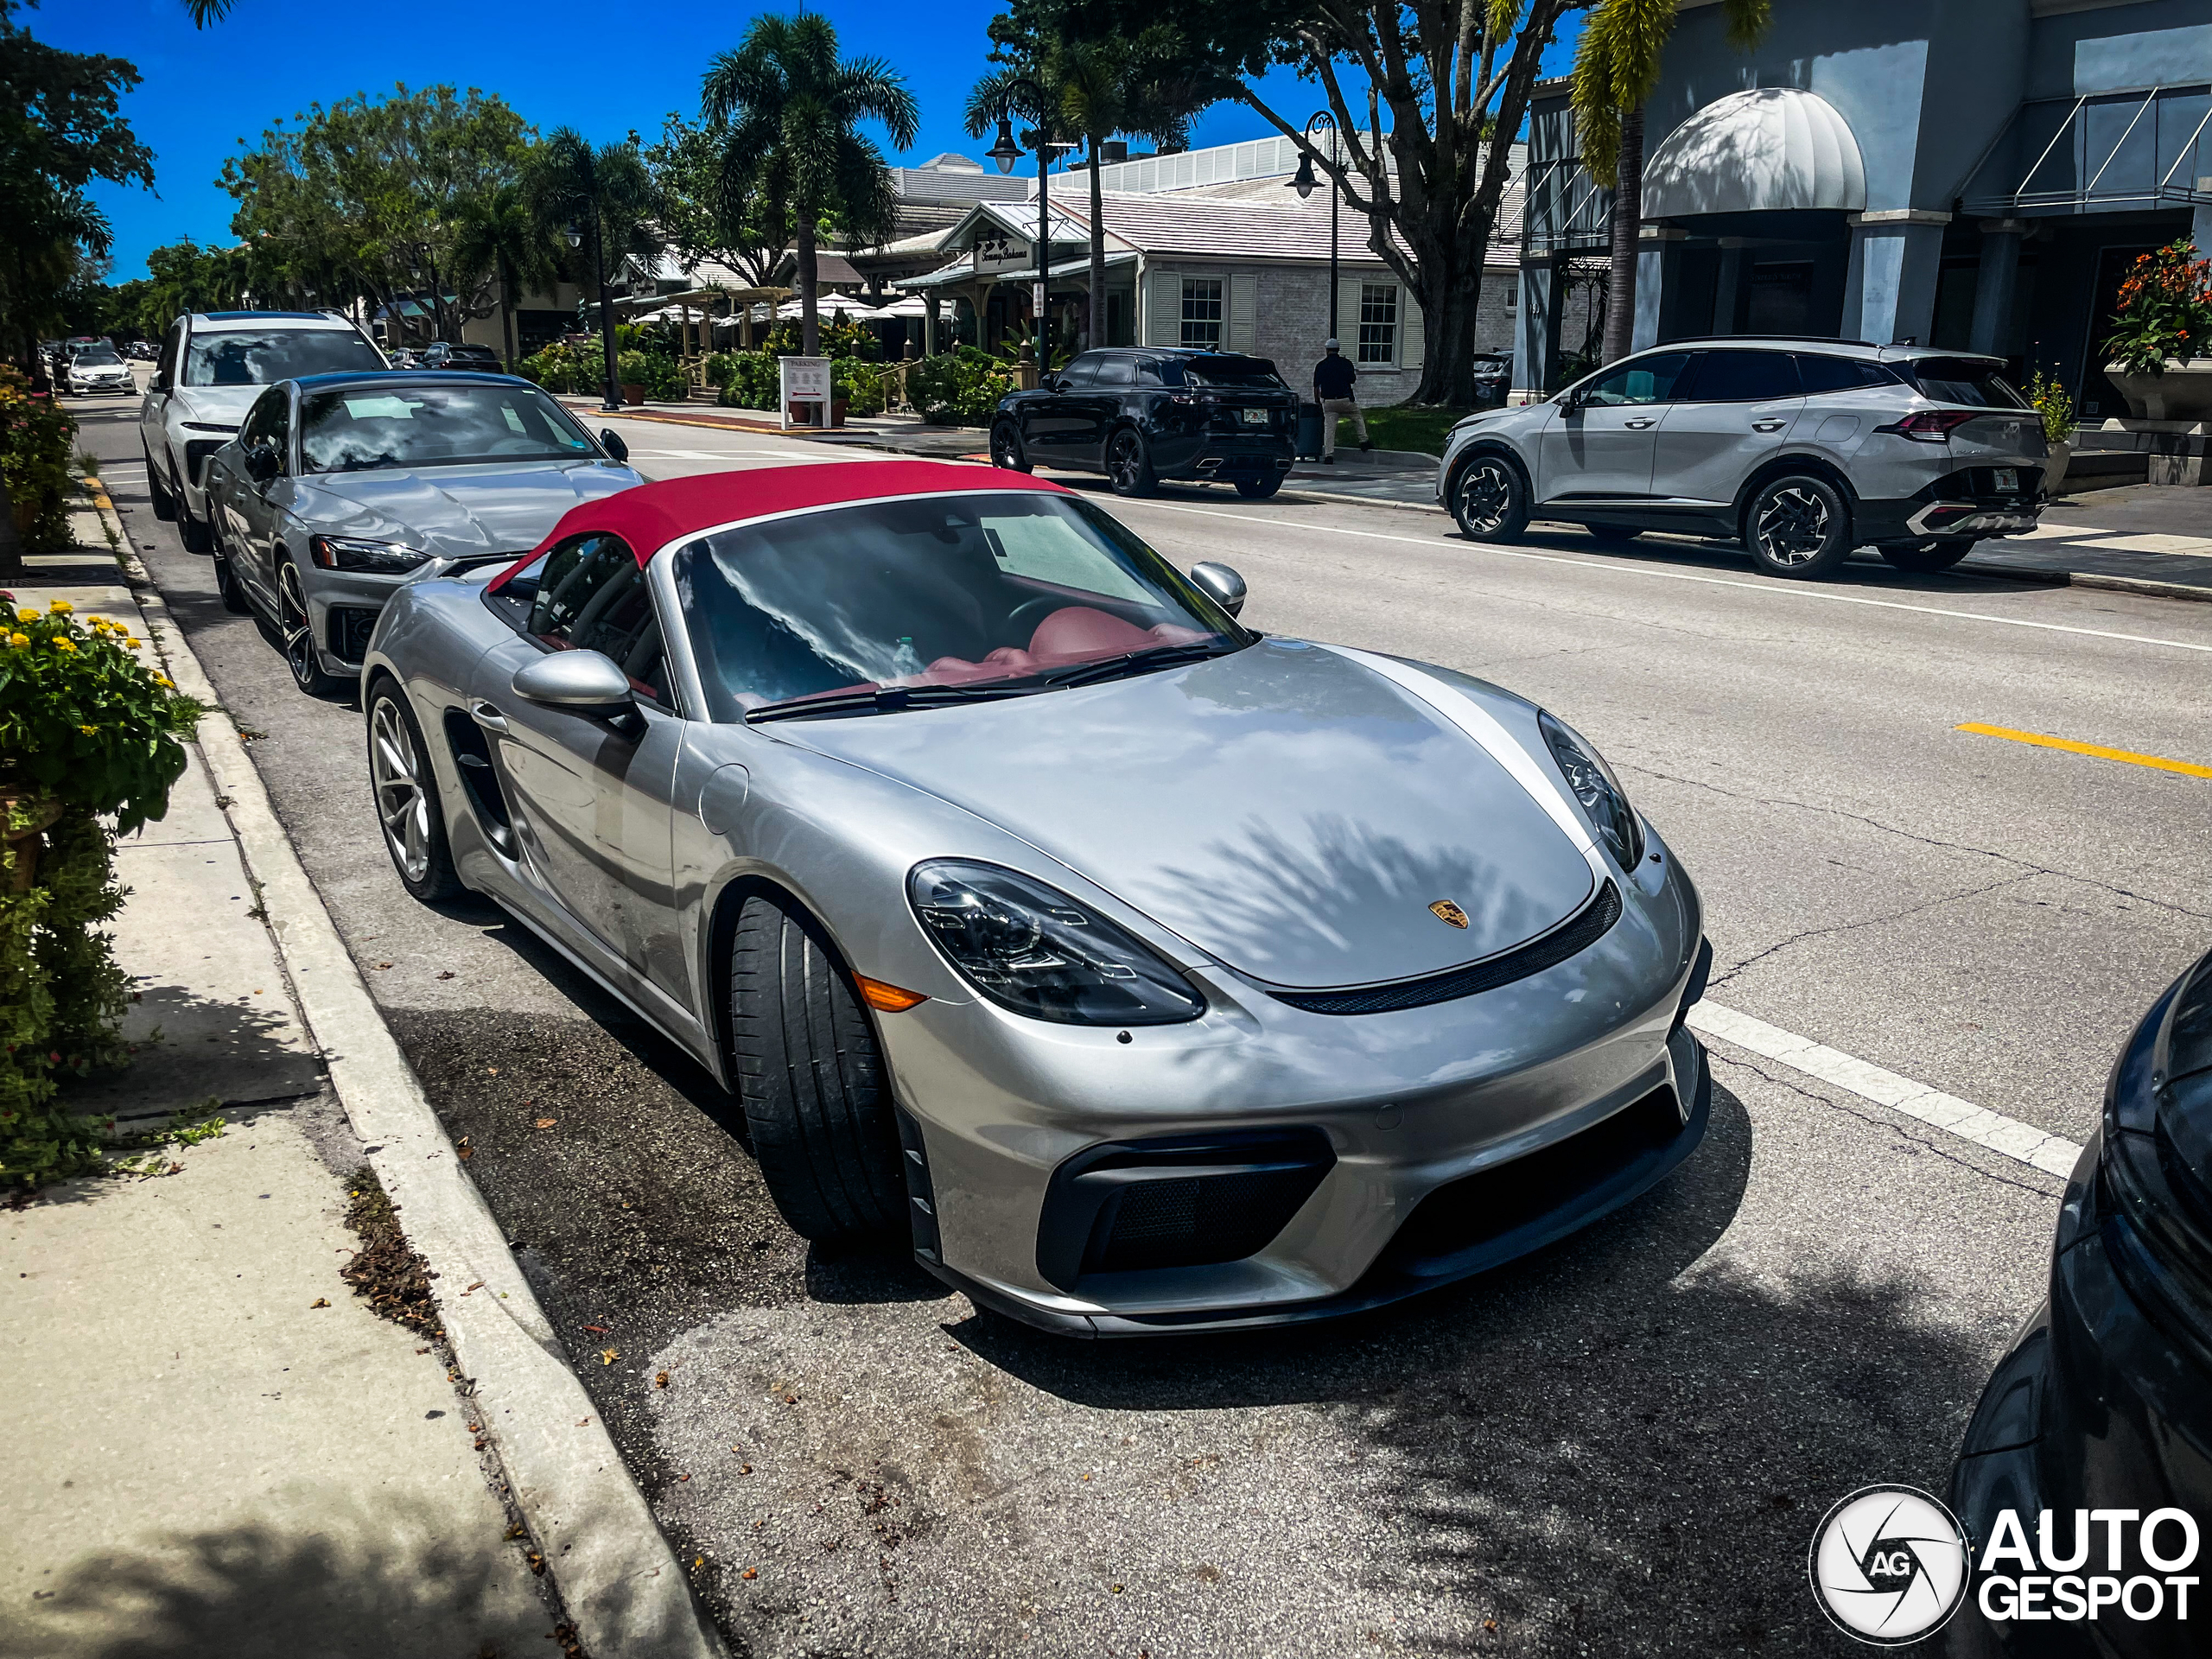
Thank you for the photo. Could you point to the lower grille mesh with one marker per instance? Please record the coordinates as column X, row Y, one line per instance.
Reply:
column 1203, row 1218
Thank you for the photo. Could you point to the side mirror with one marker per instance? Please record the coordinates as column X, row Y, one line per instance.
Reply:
column 1220, row 584
column 610, row 440
column 1053, row 383
column 584, row 682
column 262, row 463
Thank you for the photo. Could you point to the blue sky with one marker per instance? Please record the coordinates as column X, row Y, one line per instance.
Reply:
column 604, row 69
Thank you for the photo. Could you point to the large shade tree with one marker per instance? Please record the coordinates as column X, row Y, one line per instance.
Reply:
column 793, row 110
column 1098, row 73
column 1427, row 97
column 1616, row 69
column 499, row 232
column 739, row 224
column 602, row 200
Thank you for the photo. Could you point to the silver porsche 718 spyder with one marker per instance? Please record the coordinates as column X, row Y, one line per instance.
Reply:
column 1152, row 974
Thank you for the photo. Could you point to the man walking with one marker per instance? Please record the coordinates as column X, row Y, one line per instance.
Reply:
column 1333, row 383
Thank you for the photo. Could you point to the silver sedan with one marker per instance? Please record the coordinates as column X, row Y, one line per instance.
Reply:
column 338, row 486
column 1140, row 972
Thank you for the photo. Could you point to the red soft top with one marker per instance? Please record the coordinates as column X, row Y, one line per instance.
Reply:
column 652, row 516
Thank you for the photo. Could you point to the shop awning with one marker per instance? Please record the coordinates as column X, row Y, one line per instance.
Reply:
column 2111, row 152
column 1773, row 149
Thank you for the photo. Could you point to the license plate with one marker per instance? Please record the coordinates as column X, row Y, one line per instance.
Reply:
column 1255, row 417
column 2008, row 480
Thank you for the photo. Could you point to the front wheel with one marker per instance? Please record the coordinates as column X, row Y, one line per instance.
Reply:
column 1798, row 526
column 811, row 1080
column 1006, row 448
column 1921, row 558
column 227, row 587
column 1489, row 500
column 296, row 623
column 164, row 503
column 1128, row 464
column 1258, row 489
column 405, row 791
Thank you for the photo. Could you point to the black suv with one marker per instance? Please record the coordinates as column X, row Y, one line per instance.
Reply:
column 1142, row 414
column 476, row 359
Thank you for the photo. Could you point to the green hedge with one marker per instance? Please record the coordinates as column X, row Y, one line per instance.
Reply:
column 35, row 435
column 960, row 387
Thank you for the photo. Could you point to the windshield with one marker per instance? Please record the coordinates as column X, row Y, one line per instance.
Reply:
column 1962, row 381
column 1234, row 373
column 960, row 590
column 97, row 354
column 352, row 428
column 248, row 358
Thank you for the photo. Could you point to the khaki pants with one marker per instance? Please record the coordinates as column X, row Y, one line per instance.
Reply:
column 1336, row 409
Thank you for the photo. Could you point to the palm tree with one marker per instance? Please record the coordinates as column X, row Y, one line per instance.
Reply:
column 792, row 110
column 1616, row 68
column 602, row 201
column 1100, row 82
column 501, row 232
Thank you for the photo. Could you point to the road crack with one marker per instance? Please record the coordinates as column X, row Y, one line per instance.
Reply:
column 1870, row 921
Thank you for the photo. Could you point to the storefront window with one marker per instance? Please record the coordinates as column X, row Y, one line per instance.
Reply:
column 1202, row 313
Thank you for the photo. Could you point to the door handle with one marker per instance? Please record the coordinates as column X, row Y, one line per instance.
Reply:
column 1768, row 426
column 487, row 716
column 1638, row 426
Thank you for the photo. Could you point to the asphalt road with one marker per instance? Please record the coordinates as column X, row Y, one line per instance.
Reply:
column 1620, row 1446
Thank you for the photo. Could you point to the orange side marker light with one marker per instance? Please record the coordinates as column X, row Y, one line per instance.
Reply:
column 886, row 999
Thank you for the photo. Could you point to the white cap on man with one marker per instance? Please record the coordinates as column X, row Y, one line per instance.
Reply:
column 1328, row 344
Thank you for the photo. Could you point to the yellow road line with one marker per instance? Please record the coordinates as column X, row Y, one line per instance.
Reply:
column 2187, row 769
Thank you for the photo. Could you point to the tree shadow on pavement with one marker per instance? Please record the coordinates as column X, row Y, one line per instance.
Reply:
column 1620, row 1444
column 256, row 1592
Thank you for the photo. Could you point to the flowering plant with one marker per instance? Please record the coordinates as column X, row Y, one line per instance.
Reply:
column 35, row 443
column 2165, row 310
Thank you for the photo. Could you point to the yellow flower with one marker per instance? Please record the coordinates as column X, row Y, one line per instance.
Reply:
column 26, row 616
column 89, row 731
column 62, row 605
column 69, row 645
column 164, row 680
column 19, row 640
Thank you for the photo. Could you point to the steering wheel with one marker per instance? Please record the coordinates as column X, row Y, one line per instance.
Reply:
column 1027, row 617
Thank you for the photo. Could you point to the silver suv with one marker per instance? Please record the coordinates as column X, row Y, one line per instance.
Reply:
column 1801, row 449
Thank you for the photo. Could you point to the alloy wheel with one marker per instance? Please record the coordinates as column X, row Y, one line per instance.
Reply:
column 292, row 619
column 1792, row 527
column 402, row 804
column 1485, row 497
column 1005, row 450
column 1126, row 462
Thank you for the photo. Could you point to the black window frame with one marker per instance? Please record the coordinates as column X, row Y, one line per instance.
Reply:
column 1702, row 366
column 1866, row 374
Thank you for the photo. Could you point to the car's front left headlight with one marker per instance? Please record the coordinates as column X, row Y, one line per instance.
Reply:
column 1033, row 948
column 355, row 553
column 1603, row 802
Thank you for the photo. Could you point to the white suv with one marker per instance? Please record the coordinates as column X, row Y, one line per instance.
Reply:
column 213, row 366
column 1801, row 449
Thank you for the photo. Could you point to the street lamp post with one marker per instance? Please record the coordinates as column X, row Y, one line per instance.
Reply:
column 1006, row 153
column 611, row 400
column 1304, row 184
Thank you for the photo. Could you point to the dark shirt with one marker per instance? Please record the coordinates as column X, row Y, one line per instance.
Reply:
column 1333, row 375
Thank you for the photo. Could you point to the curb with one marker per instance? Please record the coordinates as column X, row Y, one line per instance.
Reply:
column 616, row 1575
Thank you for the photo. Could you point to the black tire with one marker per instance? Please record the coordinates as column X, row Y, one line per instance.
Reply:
column 227, row 578
column 1922, row 558
column 403, row 781
column 1613, row 535
column 164, row 503
column 809, row 1078
column 1258, row 489
column 1006, row 448
column 1797, row 526
column 1128, row 463
column 192, row 532
column 297, row 631
column 1490, row 499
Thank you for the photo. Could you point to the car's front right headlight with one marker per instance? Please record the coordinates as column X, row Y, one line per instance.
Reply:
column 357, row 553
column 1603, row 802
column 1033, row 948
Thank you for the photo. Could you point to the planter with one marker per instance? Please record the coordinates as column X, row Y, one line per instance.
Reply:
column 24, row 841
column 634, row 395
column 2055, row 468
column 2183, row 392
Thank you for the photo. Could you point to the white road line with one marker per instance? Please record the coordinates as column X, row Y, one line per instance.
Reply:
column 2053, row 1154
column 1775, row 588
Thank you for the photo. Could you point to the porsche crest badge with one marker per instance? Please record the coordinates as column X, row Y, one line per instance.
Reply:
column 1448, row 913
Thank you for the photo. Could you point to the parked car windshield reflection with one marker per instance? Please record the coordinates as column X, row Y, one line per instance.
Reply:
column 991, row 589
column 252, row 359
column 352, row 428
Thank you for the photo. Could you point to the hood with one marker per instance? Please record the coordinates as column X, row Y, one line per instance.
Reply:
column 217, row 405
column 457, row 511
column 1288, row 811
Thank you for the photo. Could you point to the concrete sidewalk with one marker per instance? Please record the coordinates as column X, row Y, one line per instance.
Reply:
column 216, row 1448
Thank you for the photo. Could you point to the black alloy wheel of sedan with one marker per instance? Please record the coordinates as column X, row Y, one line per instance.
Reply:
column 293, row 621
column 1128, row 464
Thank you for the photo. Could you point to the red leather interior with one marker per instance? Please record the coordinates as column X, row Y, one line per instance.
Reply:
column 1074, row 633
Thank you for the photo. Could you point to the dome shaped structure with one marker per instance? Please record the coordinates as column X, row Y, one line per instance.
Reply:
column 1774, row 148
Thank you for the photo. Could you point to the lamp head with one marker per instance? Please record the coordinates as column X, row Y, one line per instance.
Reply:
column 1005, row 152
column 1303, row 183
